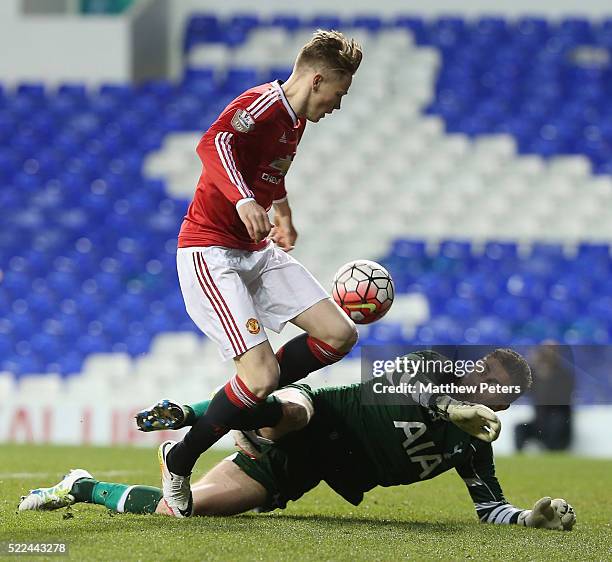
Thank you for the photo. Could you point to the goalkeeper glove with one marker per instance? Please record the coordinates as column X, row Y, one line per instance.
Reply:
column 549, row 514
column 475, row 419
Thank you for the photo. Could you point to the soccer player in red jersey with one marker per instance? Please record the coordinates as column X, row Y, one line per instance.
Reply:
column 234, row 270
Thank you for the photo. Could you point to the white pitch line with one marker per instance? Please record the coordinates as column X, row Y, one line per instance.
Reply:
column 19, row 475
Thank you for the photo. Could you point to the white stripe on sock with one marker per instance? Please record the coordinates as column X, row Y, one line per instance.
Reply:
column 121, row 502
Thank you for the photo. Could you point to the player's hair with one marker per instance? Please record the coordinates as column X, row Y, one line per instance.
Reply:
column 331, row 50
column 517, row 368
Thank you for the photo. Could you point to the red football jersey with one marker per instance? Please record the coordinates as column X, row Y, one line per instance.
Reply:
column 245, row 154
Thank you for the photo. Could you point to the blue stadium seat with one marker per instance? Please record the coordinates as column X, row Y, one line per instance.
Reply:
column 385, row 333
column 539, row 328
column 572, row 286
column 491, row 330
column 414, row 25
column 324, row 21
column 477, row 285
column 6, row 345
column 560, row 311
column 137, row 344
column 594, row 251
column 501, row 250
column 526, row 285
column 547, row 95
column 467, row 310
column 240, row 79
column 440, row 330
column 72, row 90
column 32, row 90
column 74, row 159
column 408, row 248
column 22, row 365
column 69, row 363
column 600, row 309
column 289, row 22
column 278, row 73
column 586, row 330
column 116, row 91
column 245, row 21
column 457, row 249
column 370, row 23
column 514, row 310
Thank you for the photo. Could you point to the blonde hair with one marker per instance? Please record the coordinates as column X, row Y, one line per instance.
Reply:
column 330, row 50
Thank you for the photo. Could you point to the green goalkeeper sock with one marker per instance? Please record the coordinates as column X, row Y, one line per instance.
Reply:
column 120, row 498
column 197, row 410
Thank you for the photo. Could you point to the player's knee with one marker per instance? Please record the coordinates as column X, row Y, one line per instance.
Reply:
column 265, row 381
column 345, row 338
column 352, row 336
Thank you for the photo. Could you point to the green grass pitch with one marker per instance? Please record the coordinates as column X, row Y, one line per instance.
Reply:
column 429, row 520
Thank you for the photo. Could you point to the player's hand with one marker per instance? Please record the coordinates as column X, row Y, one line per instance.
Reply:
column 283, row 234
column 475, row 419
column 554, row 514
column 256, row 220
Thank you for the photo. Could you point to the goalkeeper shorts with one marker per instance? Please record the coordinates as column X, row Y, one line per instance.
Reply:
column 300, row 460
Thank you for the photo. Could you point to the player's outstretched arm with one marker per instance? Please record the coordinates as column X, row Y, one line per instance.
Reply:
column 547, row 513
column 476, row 419
column 557, row 514
column 478, row 473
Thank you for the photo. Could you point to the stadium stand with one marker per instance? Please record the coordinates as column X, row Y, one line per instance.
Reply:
column 489, row 205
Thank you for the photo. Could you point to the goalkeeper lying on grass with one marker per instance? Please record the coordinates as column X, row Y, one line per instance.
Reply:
column 331, row 435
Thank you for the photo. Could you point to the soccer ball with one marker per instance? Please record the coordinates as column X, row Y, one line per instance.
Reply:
column 364, row 290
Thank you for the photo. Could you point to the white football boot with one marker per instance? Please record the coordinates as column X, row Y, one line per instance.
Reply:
column 56, row 497
column 176, row 488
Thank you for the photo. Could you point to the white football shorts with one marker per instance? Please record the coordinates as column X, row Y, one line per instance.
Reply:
column 232, row 294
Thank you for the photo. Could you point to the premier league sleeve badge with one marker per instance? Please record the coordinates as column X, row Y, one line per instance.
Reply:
column 243, row 121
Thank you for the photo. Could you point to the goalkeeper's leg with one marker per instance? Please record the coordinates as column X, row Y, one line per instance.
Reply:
column 224, row 490
column 78, row 486
column 120, row 498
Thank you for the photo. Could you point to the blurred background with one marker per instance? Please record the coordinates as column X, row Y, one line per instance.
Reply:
column 472, row 158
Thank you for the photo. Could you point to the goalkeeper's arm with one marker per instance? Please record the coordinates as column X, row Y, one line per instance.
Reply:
column 475, row 419
column 491, row 506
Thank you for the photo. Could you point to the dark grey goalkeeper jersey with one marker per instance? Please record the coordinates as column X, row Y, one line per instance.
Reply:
column 390, row 445
column 354, row 445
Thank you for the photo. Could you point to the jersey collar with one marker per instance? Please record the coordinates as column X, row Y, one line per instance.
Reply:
column 277, row 85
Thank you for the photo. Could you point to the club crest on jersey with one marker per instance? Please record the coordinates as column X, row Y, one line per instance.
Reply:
column 243, row 121
column 252, row 325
